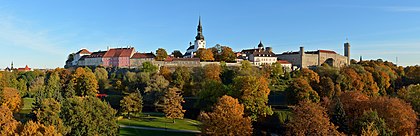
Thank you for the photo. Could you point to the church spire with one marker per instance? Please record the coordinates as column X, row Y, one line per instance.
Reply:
column 199, row 30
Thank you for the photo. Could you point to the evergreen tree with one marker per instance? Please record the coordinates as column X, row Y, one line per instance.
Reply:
column 339, row 117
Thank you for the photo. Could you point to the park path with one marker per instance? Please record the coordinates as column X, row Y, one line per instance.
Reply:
column 160, row 129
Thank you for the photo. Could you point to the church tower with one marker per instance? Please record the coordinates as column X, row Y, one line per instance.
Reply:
column 199, row 39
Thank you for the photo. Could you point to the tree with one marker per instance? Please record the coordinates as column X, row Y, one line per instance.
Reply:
column 166, row 72
column 132, row 103
column 216, row 50
column 8, row 125
column 227, row 54
column 37, row 85
column 37, row 129
column 339, row 117
column 205, row 55
column 300, row 90
column 371, row 119
column 53, row 86
column 89, row 116
column 310, row 119
column 411, row 94
column 277, row 70
column 101, row 75
column 49, row 114
column 172, row 104
column 177, row 54
column 227, row 118
column 148, row 67
column 212, row 72
column 253, row 93
column 155, row 90
column 161, row 54
column 209, row 94
column 10, row 97
column 181, row 76
column 85, row 82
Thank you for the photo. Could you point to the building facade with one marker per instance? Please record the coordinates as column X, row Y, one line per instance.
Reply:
column 309, row 59
column 258, row 56
column 118, row 57
column 138, row 58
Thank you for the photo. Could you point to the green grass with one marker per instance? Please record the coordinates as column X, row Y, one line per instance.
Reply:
column 158, row 121
column 27, row 105
column 139, row 132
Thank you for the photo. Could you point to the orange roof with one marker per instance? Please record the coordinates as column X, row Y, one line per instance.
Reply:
column 83, row 51
column 119, row 52
column 283, row 62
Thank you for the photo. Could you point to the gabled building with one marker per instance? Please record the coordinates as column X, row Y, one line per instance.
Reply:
column 118, row 57
column 138, row 58
column 94, row 59
column 199, row 42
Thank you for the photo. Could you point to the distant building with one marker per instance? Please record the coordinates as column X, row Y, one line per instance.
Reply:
column 309, row 59
column 287, row 66
column 138, row 58
column 199, row 42
column 24, row 69
column 11, row 69
column 118, row 57
column 78, row 55
column 258, row 56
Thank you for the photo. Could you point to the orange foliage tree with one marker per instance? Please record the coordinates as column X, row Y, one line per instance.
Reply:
column 37, row 129
column 8, row 125
column 212, row 72
column 205, row 55
column 310, row 119
column 227, row 118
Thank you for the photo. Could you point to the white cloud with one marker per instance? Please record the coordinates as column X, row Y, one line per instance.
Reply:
column 403, row 9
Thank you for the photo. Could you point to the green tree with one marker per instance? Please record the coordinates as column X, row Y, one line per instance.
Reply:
column 177, row 54
column 339, row 117
column 101, row 75
column 300, row 90
column 53, row 86
column 132, row 103
column 161, row 54
column 155, row 90
column 181, row 76
column 148, row 67
column 172, row 104
column 209, row 94
column 89, row 116
column 371, row 118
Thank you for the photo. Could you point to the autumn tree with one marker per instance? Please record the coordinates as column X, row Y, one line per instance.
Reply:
column 177, row 54
column 205, row 55
column 227, row 54
column 227, row 118
column 161, row 54
column 301, row 90
column 37, row 129
column 172, row 104
column 212, row 72
column 166, row 72
column 89, row 116
column 310, row 119
column 85, row 82
column 132, row 103
column 253, row 93
column 8, row 125
column 48, row 113
column 10, row 97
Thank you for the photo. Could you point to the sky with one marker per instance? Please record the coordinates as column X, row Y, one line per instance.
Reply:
column 41, row 33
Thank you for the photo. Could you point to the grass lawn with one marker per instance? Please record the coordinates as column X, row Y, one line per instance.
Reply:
column 138, row 132
column 159, row 121
column 27, row 105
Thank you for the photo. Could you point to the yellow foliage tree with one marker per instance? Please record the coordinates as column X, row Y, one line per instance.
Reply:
column 172, row 104
column 10, row 97
column 8, row 125
column 37, row 129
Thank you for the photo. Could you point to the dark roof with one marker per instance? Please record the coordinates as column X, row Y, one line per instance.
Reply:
column 191, row 47
column 187, row 54
column 119, row 52
column 264, row 53
column 143, row 55
column 83, row 51
column 283, row 62
column 98, row 54
column 83, row 57
column 260, row 45
column 327, row 51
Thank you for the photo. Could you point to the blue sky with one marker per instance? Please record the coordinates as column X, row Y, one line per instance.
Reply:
column 42, row 33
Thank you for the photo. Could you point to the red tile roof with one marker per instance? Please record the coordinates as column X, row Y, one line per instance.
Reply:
column 143, row 55
column 83, row 51
column 119, row 52
column 283, row 62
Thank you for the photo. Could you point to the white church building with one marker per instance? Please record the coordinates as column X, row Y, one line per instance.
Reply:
column 199, row 42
